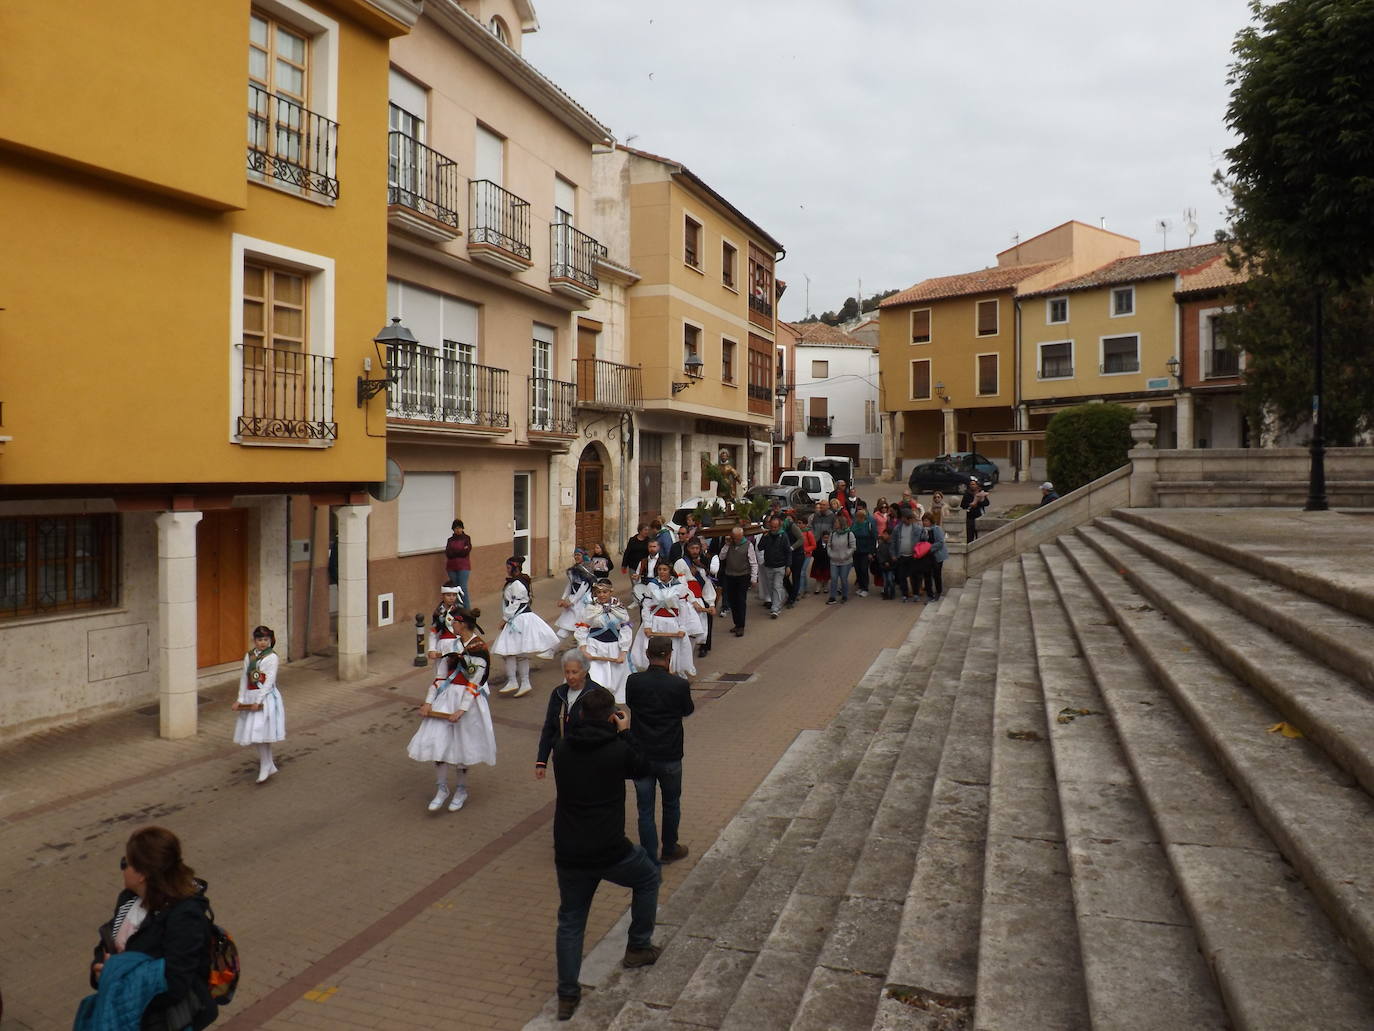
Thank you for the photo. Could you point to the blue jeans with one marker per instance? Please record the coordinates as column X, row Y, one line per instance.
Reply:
column 668, row 776
column 459, row 578
column 576, row 889
column 839, row 578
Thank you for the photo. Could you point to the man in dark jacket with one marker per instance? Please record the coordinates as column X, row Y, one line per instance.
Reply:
column 659, row 701
column 590, row 766
column 775, row 548
column 636, row 549
column 564, row 706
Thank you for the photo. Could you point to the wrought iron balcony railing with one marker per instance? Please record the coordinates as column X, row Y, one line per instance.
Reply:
column 1056, row 368
column 422, row 179
column 758, row 393
column 499, row 219
column 761, row 305
column 608, row 385
column 819, row 425
column 437, row 388
column 292, row 144
column 552, row 406
column 286, row 395
column 1220, row 363
column 572, row 256
column 1120, row 363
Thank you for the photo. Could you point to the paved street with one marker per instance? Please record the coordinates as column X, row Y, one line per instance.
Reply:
column 351, row 904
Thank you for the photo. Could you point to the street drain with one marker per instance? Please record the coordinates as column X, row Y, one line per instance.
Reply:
column 734, row 678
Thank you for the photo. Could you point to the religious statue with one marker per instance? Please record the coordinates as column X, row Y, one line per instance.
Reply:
column 724, row 475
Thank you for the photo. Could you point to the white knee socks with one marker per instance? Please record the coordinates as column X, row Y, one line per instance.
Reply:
column 266, row 767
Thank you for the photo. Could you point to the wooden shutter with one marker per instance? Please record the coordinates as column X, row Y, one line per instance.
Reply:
column 920, row 380
column 920, row 326
column 987, row 374
column 987, row 318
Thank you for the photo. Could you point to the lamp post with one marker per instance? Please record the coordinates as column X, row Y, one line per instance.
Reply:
column 1316, row 483
column 388, row 342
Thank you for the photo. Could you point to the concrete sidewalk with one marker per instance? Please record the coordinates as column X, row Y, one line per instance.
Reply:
column 352, row 905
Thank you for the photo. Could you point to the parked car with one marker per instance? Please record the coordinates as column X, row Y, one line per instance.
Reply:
column 680, row 514
column 795, row 498
column 970, row 462
column 944, row 475
column 838, row 468
column 818, row 484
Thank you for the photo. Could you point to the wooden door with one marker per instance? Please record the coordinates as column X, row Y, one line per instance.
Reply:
column 590, row 525
column 586, row 363
column 221, row 586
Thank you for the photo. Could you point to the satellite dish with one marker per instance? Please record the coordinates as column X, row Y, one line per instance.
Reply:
column 390, row 488
column 1190, row 223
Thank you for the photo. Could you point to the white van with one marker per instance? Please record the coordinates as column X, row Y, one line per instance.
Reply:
column 816, row 483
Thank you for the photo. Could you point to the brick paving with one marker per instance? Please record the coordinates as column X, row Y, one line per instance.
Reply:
column 352, row 905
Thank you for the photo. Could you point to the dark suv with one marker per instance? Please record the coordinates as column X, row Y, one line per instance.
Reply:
column 970, row 463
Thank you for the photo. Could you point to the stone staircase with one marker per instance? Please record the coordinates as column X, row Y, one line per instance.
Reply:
column 1060, row 805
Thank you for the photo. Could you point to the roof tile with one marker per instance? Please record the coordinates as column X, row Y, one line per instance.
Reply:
column 984, row 281
column 1138, row 267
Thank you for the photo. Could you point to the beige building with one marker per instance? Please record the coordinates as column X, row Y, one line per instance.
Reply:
column 493, row 272
column 701, row 324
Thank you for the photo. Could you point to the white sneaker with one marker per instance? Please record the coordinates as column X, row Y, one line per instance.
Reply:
column 460, row 795
column 511, row 685
column 525, row 689
column 863, row 594
column 437, row 802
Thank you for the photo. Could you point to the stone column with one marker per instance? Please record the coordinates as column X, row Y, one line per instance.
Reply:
column 1023, row 447
column 1183, row 415
column 891, row 467
column 951, row 435
column 176, row 623
column 352, row 521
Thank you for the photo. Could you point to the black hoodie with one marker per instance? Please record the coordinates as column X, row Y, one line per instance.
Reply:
column 591, row 763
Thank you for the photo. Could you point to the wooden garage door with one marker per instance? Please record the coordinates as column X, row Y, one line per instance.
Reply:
column 221, row 587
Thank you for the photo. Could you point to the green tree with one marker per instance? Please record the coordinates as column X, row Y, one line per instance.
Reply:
column 1085, row 442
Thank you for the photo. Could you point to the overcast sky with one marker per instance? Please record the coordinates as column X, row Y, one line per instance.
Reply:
column 893, row 140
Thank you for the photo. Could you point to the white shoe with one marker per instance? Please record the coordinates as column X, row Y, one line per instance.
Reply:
column 525, row 689
column 265, row 772
column 437, row 802
column 511, row 685
column 460, row 795
column 863, row 594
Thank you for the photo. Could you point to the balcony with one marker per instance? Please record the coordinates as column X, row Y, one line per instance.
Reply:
column 760, row 399
column 760, row 309
column 291, row 145
column 572, row 262
column 286, row 395
column 1220, row 363
column 553, row 406
column 422, row 189
column 448, row 394
column 499, row 233
column 820, row 425
column 608, row 386
column 780, row 436
column 1118, row 364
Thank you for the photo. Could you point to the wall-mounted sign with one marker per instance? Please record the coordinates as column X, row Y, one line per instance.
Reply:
column 1157, row 384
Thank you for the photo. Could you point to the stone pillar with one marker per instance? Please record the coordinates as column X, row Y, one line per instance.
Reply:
column 1184, row 428
column 891, row 465
column 176, row 623
column 352, row 521
column 1023, row 447
column 951, row 434
column 1144, row 459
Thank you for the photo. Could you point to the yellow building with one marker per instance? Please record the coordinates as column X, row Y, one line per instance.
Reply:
column 1108, row 335
column 701, row 325
column 948, row 345
column 191, row 288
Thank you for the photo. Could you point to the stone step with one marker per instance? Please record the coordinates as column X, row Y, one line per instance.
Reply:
column 1141, row 965
column 1030, row 974
column 819, row 913
column 1275, row 954
column 1309, row 687
column 1326, row 555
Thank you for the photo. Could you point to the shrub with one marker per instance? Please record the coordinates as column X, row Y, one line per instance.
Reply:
column 1085, row 442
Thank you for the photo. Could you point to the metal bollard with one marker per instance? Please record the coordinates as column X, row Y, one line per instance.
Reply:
column 420, row 658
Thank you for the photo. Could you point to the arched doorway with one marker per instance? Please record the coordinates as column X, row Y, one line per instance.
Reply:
column 590, row 525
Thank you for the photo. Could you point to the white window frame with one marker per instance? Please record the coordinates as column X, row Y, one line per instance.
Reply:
column 1204, row 340
column 977, row 378
column 701, row 241
column 1102, row 354
column 701, row 346
column 408, row 534
column 732, row 287
column 930, row 325
column 1040, row 360
column 818, row 376
column 930, row 379
column 1111, row 302
column 733, row 381
column 319, row 321
column 1050, row 302
column 996, row 302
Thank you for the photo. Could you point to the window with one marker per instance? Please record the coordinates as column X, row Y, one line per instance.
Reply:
column 760, row 285
column 728, row 259
column 1056, row 360
column 276, row 360
column 1123, row 301
column 920, row 380
column 987, row 374
column 987, row 318
column 1057, row 310
column 541, row 373
column 1120, row 354
column 818, row 417
column 820, row 370
column 920, row 326
column 760, row 373
column 727, row 360
column 58, row 563
column 499, row 30
column 1219, row 359
column 691, row 242
column 278, row 58
column 691, row 347
column 427, row 502
column 871, row 416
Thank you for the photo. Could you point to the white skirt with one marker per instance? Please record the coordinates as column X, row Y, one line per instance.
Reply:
column 264, row 727
column 610, row 675
column 470, row 741
column 526, row 634
column 682, row 660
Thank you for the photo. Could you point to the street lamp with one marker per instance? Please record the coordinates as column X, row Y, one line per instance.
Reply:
column 388, row 342
column 693, row 364
column 1173, row 366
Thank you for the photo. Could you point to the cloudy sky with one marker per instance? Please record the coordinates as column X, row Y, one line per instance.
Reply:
column 891, row 140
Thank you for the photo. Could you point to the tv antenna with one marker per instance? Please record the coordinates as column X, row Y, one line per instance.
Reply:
column 1162, row 226
column 1190, row 223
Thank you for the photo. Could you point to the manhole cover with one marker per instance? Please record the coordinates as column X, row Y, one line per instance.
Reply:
column 734, row 678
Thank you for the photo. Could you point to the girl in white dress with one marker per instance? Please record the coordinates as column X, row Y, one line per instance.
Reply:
column 455, row 719
column 443, row 633
column 523, row 633
column 692, row 620
column 662, row 602
column 581, row 576
column 605, row 634
column 261, row 716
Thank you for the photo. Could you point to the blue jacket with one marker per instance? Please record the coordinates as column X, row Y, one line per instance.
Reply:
column 938, row 547
column 128, row 982
column 865, row 536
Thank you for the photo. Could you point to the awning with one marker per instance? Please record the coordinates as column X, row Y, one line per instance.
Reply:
column 1149, row 402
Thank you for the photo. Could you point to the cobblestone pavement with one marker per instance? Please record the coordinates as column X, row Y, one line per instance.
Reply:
column 353, row 906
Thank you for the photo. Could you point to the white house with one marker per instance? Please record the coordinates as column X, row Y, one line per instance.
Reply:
column 836, row 397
